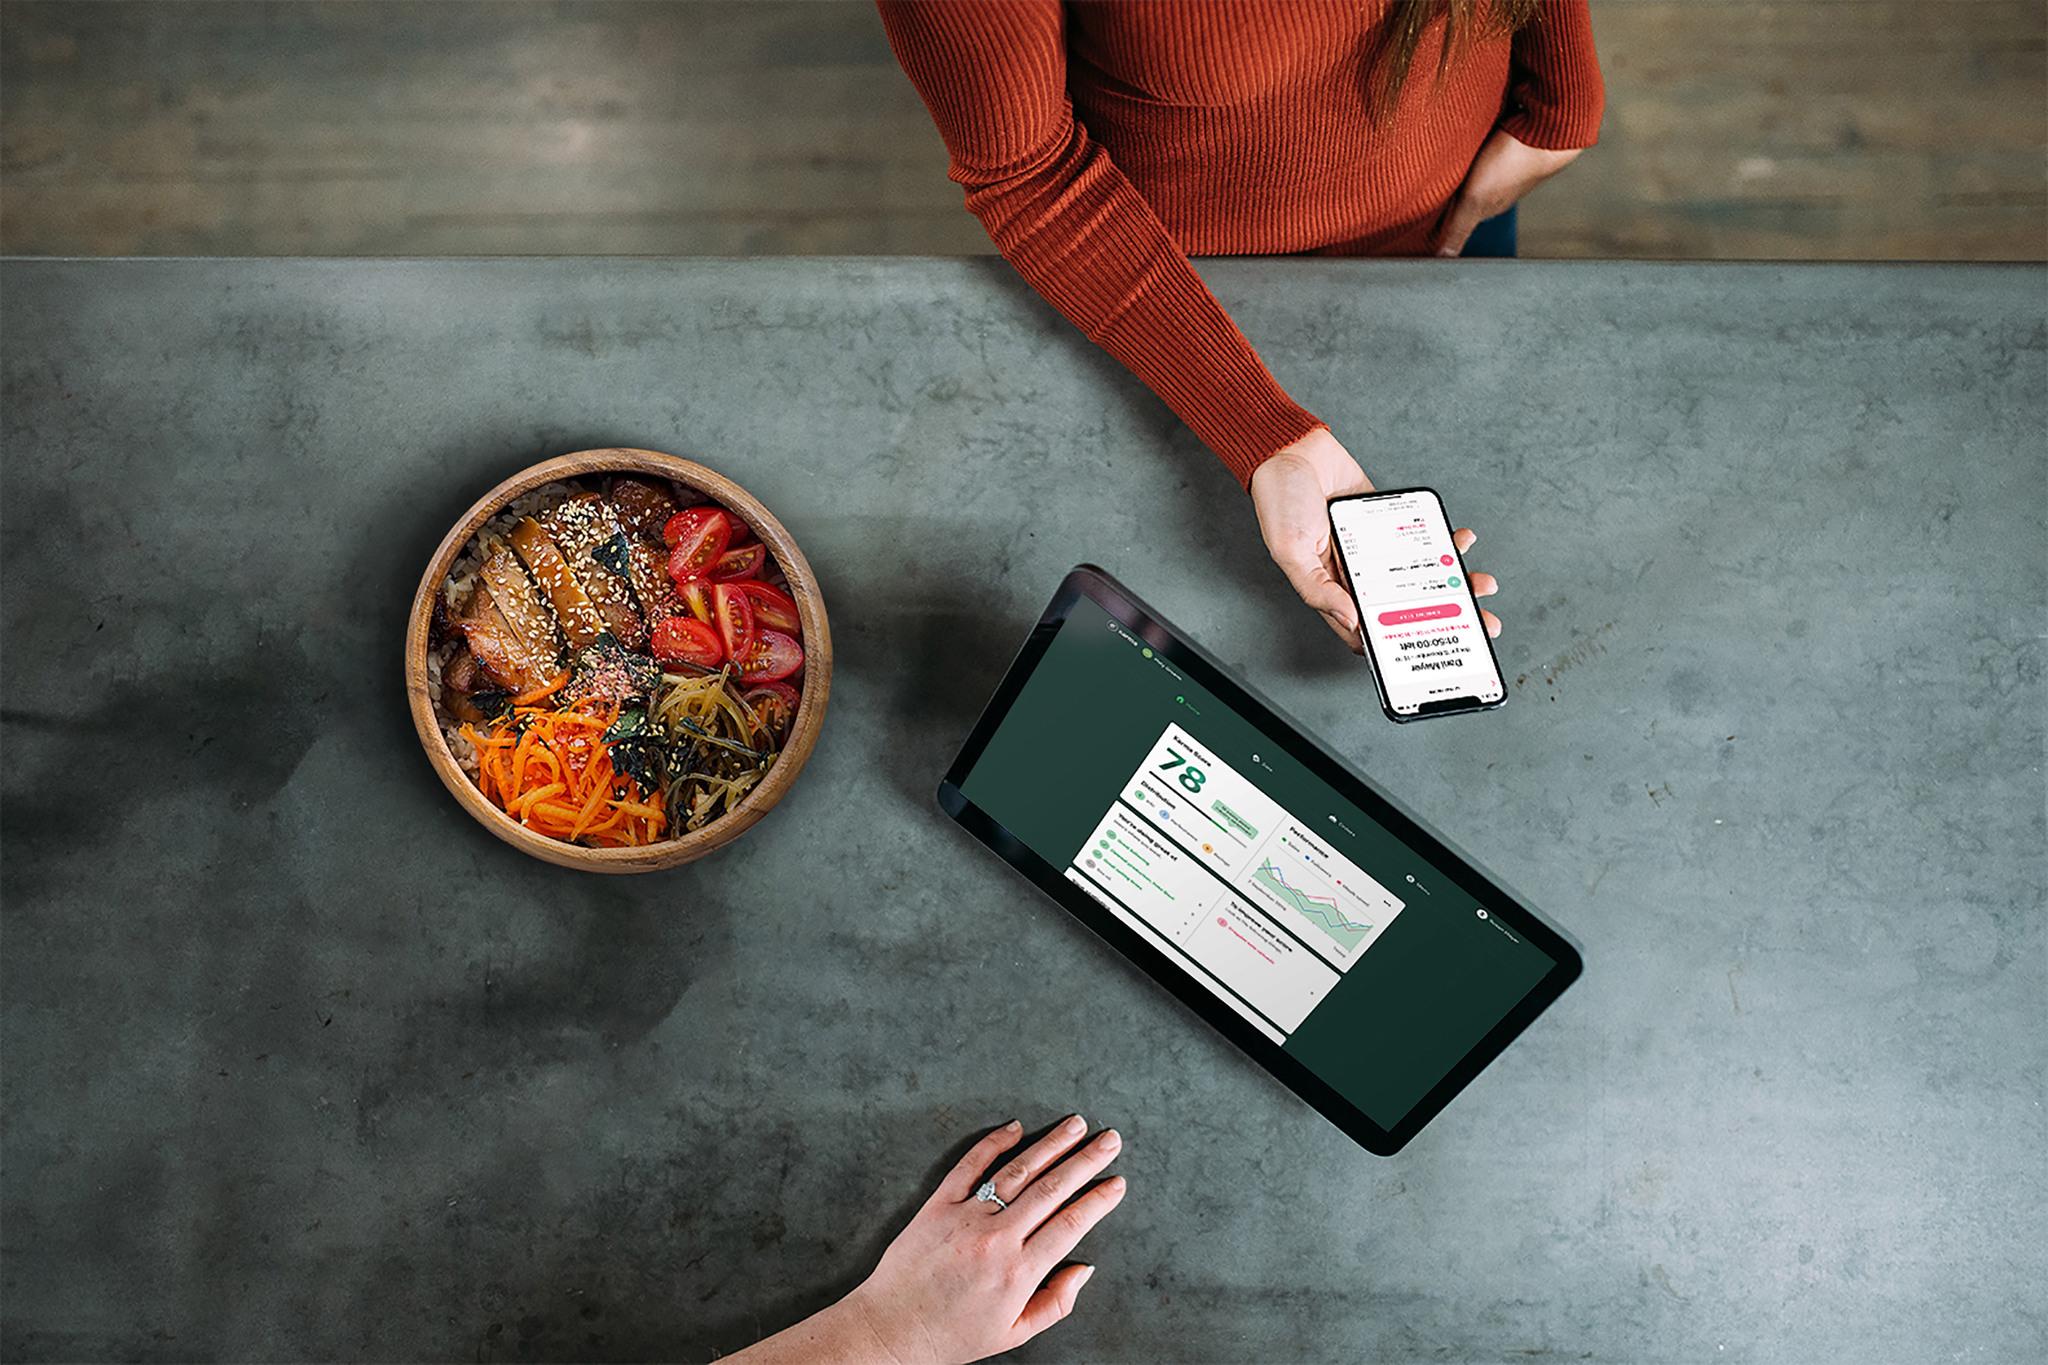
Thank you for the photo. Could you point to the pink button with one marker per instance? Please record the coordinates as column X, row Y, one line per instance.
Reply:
column 1445, row 560
column 1443, row 611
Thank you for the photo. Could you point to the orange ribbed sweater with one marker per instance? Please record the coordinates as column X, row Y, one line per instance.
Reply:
column 1101, row 143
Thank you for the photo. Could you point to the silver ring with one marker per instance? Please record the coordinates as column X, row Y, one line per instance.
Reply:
column 987, row 1195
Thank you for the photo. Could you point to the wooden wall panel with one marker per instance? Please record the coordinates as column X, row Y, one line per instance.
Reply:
column 1818, row 129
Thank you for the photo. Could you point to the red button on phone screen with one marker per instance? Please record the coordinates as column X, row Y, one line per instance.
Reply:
column 1443, row 611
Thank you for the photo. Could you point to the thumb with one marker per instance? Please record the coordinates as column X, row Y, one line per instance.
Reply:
column 1463, row 215
column 1318, row 587
column 1053, row 1301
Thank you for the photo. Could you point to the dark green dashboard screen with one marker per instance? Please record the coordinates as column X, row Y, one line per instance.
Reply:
column 1247, row 871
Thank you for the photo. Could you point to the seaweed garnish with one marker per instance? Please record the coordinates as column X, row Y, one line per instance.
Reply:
column 615, row 554
column 492, row 701
column 639, row 759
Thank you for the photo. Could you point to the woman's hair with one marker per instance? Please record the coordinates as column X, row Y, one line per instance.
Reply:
column 1408, row 19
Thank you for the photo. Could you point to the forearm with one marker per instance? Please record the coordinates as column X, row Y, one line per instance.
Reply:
column 1086, row 240
column 1075, row 228
column 844, row 1332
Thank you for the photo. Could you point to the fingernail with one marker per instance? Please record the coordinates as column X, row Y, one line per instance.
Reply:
column 1117, row 1182
column 1087, row 1274
column 1110, row 1141
column 1011, row 1126
column 1074, row 1125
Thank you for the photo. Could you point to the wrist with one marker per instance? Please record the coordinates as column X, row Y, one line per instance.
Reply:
column 845, row 1333
column 861, row 1332
column 1319, row 454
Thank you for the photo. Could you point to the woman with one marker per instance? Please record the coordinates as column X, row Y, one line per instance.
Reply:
column 1101, row 143
column 981, row 1267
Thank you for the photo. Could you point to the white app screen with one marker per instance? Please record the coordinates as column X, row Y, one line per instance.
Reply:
column 1232, row 885
column 1417, row 611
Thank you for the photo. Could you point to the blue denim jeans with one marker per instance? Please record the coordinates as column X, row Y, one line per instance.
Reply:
column 1494, row 237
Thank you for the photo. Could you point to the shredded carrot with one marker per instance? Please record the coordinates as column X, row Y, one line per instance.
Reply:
column 544, row 690
column 552, row 771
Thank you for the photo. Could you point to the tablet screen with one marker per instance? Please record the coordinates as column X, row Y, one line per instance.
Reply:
column 1334, row 938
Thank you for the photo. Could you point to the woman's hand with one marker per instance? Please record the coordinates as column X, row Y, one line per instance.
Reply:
column 1504, row 171
column 967, row 1279
column 1291, row 492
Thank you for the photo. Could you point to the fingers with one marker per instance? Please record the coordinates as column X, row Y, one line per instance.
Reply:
column 1465, row 214
column 1045, row 1195
column 1057, row 1237
column 1053, row 1301
column 1311, row 578
column 961, row 1180
column 1504, row 170
column 1018, row 1173
column 1483, row 584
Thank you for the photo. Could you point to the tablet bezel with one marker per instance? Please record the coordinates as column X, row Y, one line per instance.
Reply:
column 1100, row 588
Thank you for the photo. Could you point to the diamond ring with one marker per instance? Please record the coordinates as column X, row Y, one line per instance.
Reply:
column 987, row 1195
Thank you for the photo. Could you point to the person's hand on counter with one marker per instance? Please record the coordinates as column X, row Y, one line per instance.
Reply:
column 971, row 1277
column 1291, row 493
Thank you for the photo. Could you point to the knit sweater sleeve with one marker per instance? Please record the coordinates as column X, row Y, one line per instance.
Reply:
column 1555, row 91
column 993, row 74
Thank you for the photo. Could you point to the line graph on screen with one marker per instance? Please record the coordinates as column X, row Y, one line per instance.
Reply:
column 1321, row 910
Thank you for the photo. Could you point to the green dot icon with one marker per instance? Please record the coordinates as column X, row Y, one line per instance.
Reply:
column 1146, row 652
column 1454, row 580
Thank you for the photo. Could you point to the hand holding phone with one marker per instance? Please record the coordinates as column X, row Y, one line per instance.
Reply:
column 1418, row 610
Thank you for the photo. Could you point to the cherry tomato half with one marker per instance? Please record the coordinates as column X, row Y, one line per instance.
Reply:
column 773, row 657
column 687, row 640
column 744, row 562
column 696, row 595
column 735, row 617
column 699, row 547
column 686, row 523
column 773, row 607
column 773, row 704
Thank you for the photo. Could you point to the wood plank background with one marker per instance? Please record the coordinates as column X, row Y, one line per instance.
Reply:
column 1821, row 129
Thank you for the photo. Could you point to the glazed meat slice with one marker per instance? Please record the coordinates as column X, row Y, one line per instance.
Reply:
column 520, row 603
column 648, row 568
column 590, row 538
column 574, row 611
column 500, row 653
column 642, row 508
column 460, row 674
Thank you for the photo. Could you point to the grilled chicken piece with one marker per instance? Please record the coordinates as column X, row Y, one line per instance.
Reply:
column 574, row 611
column 642, row 508
column 522, row 606
column 583, row 528
column 648, row 568
column 500, row 652
column 459, row 674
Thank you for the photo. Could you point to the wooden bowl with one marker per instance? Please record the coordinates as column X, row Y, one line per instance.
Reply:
column 810, row 715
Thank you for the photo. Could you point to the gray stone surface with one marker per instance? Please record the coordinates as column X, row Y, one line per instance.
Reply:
column 301, row 1063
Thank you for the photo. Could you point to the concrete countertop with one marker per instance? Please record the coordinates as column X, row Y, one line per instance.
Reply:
column 302, row 1063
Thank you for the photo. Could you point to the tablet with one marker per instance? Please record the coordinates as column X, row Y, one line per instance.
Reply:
column 1290, row 903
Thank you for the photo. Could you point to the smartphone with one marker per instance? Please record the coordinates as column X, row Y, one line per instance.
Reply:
column 1424, row 638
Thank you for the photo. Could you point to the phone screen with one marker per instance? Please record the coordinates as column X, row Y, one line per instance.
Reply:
column 1415, row 607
